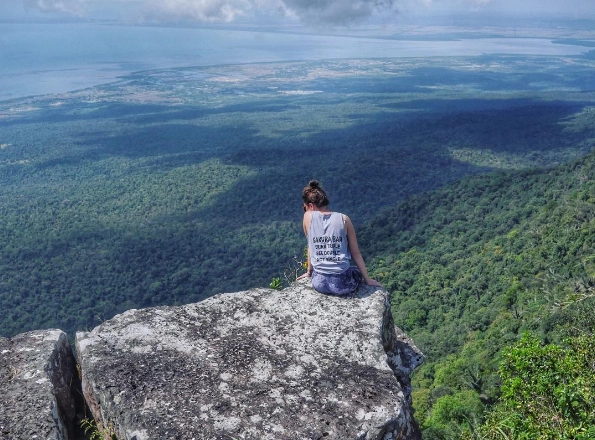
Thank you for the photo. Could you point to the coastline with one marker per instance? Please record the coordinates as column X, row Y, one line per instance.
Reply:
column 45, row 59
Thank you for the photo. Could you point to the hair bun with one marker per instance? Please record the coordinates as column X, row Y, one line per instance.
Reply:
column 314, row 184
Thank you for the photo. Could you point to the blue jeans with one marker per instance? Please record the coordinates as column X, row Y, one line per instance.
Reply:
column 337, row 284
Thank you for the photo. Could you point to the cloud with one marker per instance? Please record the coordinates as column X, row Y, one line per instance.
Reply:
column 321, row 11
column 308, row 11
column 72, row 7
column 336, row 11
column 197, row 10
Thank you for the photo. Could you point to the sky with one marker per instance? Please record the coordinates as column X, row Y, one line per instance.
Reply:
column 336, row 12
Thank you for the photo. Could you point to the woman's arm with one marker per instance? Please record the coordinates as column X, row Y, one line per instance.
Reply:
column 356, row 255
column 306, row 226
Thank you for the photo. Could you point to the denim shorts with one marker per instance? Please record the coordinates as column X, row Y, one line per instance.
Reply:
column 337, row 284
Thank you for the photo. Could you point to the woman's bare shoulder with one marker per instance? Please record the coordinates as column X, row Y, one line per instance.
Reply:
column 306, row 221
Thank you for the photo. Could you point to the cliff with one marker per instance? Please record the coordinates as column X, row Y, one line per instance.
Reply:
column 260, row 364
column 38, row 383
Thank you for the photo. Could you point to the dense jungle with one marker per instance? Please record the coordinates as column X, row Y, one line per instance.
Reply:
column 469, row 181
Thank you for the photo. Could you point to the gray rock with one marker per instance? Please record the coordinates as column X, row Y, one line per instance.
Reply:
column 37, row 371
column 261, row 364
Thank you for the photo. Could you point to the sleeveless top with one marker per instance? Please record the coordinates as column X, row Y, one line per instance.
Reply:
column 327, row 241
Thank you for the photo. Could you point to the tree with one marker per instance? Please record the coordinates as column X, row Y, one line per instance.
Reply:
column 548, row 391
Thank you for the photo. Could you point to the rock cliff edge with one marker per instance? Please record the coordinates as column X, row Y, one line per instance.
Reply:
column 260, row 364
column 38, row 382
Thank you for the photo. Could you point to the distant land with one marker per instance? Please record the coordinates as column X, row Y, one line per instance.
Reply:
column 44, row 57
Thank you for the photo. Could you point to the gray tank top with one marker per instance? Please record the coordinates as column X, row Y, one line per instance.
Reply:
column 327, row 241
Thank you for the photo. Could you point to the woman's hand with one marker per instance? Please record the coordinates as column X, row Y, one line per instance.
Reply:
column 304, row 275
column 371, row 282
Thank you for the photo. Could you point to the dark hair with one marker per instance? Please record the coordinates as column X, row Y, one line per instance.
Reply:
column 313, row 193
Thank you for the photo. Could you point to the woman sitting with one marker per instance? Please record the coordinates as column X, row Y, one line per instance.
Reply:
column 331, row 246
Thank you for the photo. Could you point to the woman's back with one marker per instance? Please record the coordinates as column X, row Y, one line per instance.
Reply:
column 327, row 241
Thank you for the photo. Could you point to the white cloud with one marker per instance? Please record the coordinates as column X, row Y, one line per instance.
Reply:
column 72, row 7
column 199, row 10
column 335, row 11
column 321, row 11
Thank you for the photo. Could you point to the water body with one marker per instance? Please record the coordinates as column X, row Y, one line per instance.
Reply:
column 46, row 58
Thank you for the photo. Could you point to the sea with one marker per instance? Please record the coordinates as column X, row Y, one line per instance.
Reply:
column 38, row 58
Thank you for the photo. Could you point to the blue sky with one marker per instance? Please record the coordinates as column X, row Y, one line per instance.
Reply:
column 305, row 11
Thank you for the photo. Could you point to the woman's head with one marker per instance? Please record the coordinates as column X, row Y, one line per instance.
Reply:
column 313, row 193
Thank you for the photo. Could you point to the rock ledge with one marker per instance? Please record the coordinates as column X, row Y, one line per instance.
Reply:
column 261, row 364
column 38, row 382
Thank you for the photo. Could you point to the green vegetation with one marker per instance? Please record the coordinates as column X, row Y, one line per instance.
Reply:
column 476, row 264
column 469, row 181
column 548, row 391
column 276, row 283
column 92, row 431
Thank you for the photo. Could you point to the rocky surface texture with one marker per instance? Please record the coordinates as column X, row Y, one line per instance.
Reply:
column 261, row 364
column 37, row 377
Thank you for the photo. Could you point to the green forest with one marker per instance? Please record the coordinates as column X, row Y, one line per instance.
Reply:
column 469, row 181
column 476, row 267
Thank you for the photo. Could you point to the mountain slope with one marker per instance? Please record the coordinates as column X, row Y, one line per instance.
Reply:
column 475, row 264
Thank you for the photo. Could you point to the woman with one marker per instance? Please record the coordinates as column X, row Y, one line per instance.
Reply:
column 331, row 246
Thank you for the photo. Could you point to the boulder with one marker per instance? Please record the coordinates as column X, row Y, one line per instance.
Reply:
column 259, row 364
column 37, row 380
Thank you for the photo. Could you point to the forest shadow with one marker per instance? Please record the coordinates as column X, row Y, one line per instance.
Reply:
column 171, row 145
column 376, row 162
column 515, row 125
column 141, row 114
column 191, row 113
column 374, row 165
column 365, row 167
